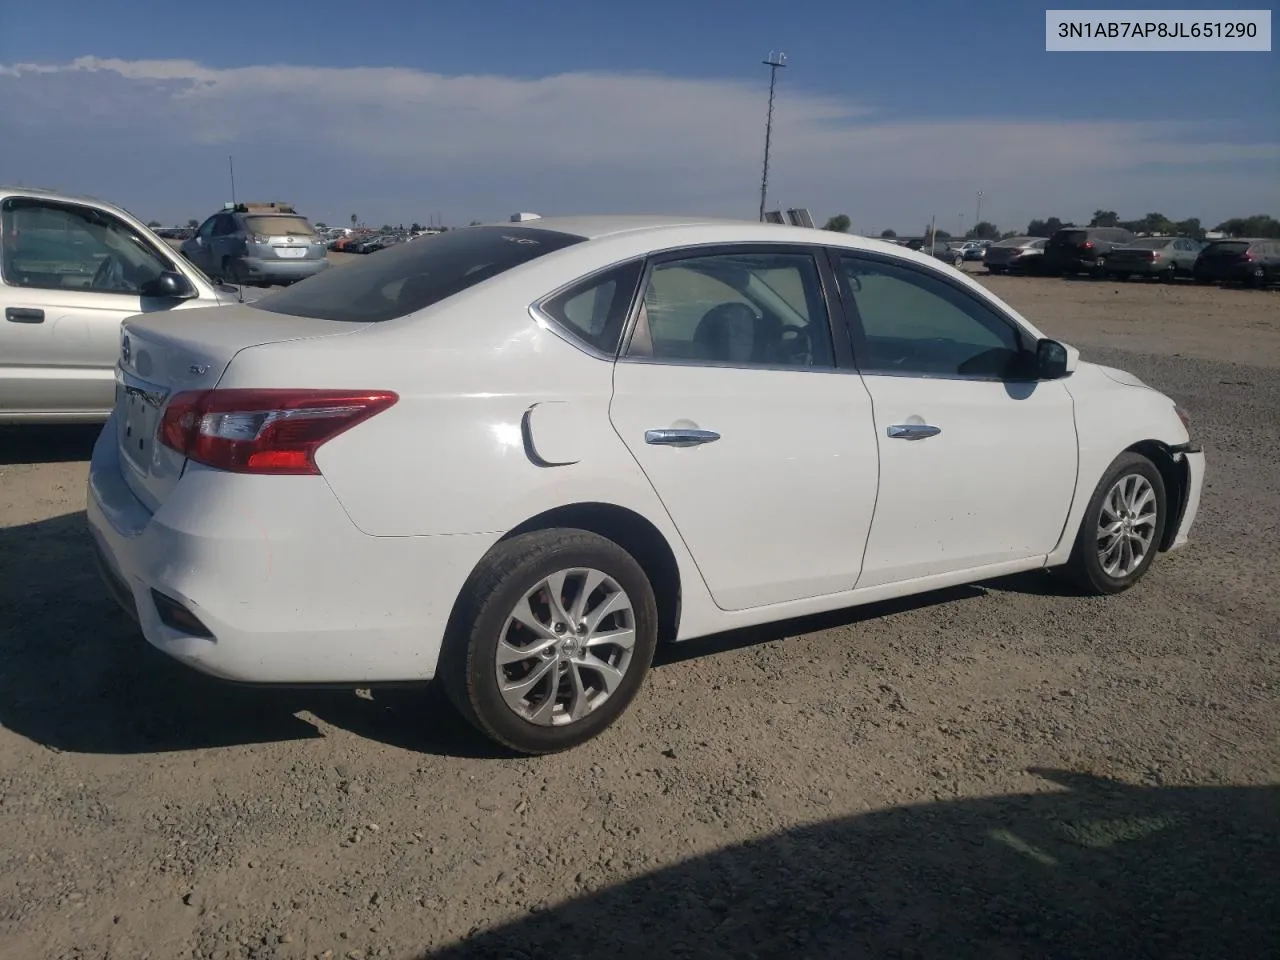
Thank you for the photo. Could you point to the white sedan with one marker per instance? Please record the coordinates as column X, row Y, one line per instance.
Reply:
column 516, row 457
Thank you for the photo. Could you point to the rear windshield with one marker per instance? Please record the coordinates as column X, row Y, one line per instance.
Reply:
column 1228, row 246
column 1151, row 243
column 275, row 226
column 1014, row 242
column 409, row 276
column 1071, row 236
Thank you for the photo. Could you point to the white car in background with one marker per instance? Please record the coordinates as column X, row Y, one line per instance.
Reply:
column 71, row 269
column 515, row 457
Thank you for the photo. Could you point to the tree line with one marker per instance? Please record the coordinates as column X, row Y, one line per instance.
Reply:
column 1258, row 225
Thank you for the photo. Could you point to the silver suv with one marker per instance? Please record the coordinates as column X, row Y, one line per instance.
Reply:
column 72, row 269
column 257, row 243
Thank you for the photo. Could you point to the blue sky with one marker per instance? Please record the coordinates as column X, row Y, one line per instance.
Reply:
column 398, row 109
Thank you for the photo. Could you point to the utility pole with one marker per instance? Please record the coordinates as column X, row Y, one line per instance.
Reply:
column 977, row 217
column 773, row 62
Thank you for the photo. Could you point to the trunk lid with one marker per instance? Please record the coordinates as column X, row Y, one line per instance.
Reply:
column 283, row 237
column 165, row 353
column 1003, row 254
column 1227, row 251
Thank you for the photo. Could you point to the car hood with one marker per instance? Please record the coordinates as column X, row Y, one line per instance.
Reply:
column 1121, row 376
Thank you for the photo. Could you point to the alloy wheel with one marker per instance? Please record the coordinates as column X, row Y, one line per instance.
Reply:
column 566, row 647
column 1126, row 525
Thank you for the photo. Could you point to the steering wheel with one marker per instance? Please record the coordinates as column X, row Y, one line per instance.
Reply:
column 795, row 343
column 109, row 275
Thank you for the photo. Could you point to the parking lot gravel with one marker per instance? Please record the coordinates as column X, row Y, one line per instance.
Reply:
column 1004, row 770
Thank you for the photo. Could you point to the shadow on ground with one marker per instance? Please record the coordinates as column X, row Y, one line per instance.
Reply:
column 60, row 444
column 77, row 675
column 1100, row 870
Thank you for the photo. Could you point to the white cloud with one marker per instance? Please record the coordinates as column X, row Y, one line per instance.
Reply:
column 394, row 138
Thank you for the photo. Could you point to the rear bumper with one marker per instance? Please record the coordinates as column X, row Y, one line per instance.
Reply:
column 1146, row 267
column 290, row 590
column 1230, row 273
column 1071, row 262
column 257, row 268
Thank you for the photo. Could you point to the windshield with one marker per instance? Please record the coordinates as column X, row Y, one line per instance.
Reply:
column 276, row 226
column 409, row 276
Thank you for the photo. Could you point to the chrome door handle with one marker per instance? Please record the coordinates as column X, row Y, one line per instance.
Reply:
column 672, row 437
column 912, row 431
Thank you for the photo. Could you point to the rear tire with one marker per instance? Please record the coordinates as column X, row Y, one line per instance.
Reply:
column 1169, row 274
column 525, row 597
column 1120, row 531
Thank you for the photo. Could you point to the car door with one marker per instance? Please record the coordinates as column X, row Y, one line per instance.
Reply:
column 225, row 244
column 71, row 274
column 977, row 465
column 198, row 248
column 1184, row 254
column 749, row 421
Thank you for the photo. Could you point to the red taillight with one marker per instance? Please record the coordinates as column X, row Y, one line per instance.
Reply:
column 1155, row 254
column 264, row 431
column 1088, row 244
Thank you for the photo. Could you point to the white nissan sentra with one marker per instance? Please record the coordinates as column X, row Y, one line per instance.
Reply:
column 516, row 457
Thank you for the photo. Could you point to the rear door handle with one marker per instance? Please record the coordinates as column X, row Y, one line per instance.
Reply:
column 679, row 437
column 912, row 431
column 23, row 315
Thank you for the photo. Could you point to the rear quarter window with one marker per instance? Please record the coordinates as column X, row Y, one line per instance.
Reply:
column 594, row 310
column 410, row 276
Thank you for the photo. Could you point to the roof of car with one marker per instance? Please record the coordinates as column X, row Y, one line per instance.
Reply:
column 45, row 193
column 596, row 227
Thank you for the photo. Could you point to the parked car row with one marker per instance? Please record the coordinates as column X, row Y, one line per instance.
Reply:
column 1115, row 253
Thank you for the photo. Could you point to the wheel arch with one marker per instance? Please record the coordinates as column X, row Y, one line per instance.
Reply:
column 1177, row 483
column 635, row 534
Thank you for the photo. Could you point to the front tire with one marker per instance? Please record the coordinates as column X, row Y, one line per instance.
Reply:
column 552, row 638
column 1121, row 528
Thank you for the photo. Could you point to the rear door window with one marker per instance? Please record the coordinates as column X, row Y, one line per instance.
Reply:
column 410, row 276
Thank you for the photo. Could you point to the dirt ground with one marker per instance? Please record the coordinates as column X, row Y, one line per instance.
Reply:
column 1007, row 770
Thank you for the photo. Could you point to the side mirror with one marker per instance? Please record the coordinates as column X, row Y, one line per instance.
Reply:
column 1051, row 360
column 170, row 285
